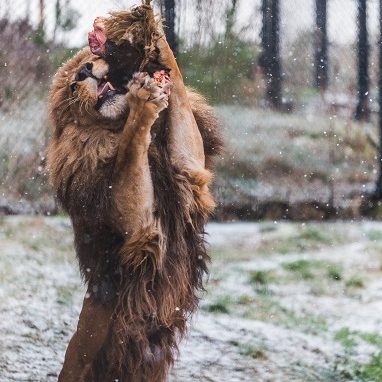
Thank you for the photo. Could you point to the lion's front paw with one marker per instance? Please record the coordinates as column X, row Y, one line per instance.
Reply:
column 149, row 90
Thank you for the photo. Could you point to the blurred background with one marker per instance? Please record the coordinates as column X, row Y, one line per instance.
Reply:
column 295, row 85
column 294, row 295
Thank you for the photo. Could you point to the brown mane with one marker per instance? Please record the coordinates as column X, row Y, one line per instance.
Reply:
column 81, row 158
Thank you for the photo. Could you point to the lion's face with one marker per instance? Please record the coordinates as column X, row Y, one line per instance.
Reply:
column 92, row 91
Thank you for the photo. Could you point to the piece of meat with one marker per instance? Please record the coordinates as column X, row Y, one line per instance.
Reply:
column 97, row 38
column 162, row 78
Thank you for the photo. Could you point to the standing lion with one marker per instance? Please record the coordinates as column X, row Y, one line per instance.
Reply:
column 130, row 160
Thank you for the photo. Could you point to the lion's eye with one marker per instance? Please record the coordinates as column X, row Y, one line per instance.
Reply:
column 73, row 86
column 81, row 76
column 85, row 72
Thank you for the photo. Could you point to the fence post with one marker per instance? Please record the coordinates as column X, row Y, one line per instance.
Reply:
column 362, row 110
column 270, row 60
column 321, row 46
column 169, row 15
column 378, row 189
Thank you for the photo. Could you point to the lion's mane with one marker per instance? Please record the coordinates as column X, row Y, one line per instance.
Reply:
column 81, row 156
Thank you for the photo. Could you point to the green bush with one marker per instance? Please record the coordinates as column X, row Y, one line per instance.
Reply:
column 221, row 70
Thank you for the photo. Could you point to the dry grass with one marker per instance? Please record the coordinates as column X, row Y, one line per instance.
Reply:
column 291, row 157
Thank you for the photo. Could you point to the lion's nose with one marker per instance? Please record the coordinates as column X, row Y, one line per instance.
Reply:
column 85, row 72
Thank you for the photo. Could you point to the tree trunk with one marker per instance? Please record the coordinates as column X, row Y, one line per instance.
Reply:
column 27, row 10
column 41, row 21
column 230, row 19
column 270, row 59
column 321, row 46
column 362, row 111
column 57, row 19
column 169, row 16
column 378, row 190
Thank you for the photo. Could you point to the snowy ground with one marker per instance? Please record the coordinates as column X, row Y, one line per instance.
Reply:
column 285, row 302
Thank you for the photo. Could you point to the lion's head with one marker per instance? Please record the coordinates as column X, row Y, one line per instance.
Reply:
column 82, row 93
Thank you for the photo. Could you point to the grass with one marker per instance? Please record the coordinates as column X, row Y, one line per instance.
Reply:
column 307, row 323
column 302, row 268
column 65, row 294
column 261, row 280
column 266, row 307
column 345, row 337
column 334, row 273
column 307, row 238
column 250, row 297
column 355, row 281
column 260, row 277
column 374, row 235
column 253, row 351
column 231, row 254
column 313, row 234
column 245, row 299
column 6, row 273
column 32, row 243
column 370, row 371
column 219, row 305
column 263, row 144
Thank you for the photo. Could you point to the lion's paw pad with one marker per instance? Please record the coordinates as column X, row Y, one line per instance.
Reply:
column 155, row 90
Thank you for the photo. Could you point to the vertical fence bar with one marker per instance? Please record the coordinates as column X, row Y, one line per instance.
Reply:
column 362, row 110
column 378, row 190
column 321, row 46
column 275, row 85
column 270, row 60
column 169, row 15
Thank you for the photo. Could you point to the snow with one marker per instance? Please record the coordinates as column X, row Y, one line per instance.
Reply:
column 41, row 295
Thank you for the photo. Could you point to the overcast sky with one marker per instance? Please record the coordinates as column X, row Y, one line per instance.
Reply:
column 297, row 15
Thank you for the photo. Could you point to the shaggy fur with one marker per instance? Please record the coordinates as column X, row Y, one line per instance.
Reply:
column 152, row 276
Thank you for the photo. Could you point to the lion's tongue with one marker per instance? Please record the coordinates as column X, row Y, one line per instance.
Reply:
column 103, row 88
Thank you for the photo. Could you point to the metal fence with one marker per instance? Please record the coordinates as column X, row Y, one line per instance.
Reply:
column 303, row 56
column 317, row 38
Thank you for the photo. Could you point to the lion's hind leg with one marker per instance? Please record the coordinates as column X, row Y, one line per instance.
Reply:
column 92, row 331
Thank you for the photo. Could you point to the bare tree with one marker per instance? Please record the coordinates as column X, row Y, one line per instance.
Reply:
column 57, row 18
column 41, row 22
column 230, row 19
column 362, row 110
column 66, row 17
column 321, row 46
column 270, row 60
column 169, row 15
column 27, row 10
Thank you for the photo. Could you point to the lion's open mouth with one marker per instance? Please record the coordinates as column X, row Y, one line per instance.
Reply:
column 104, row 88
column 106, row 92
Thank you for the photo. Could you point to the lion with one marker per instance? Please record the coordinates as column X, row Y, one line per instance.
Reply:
column 132, row 169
